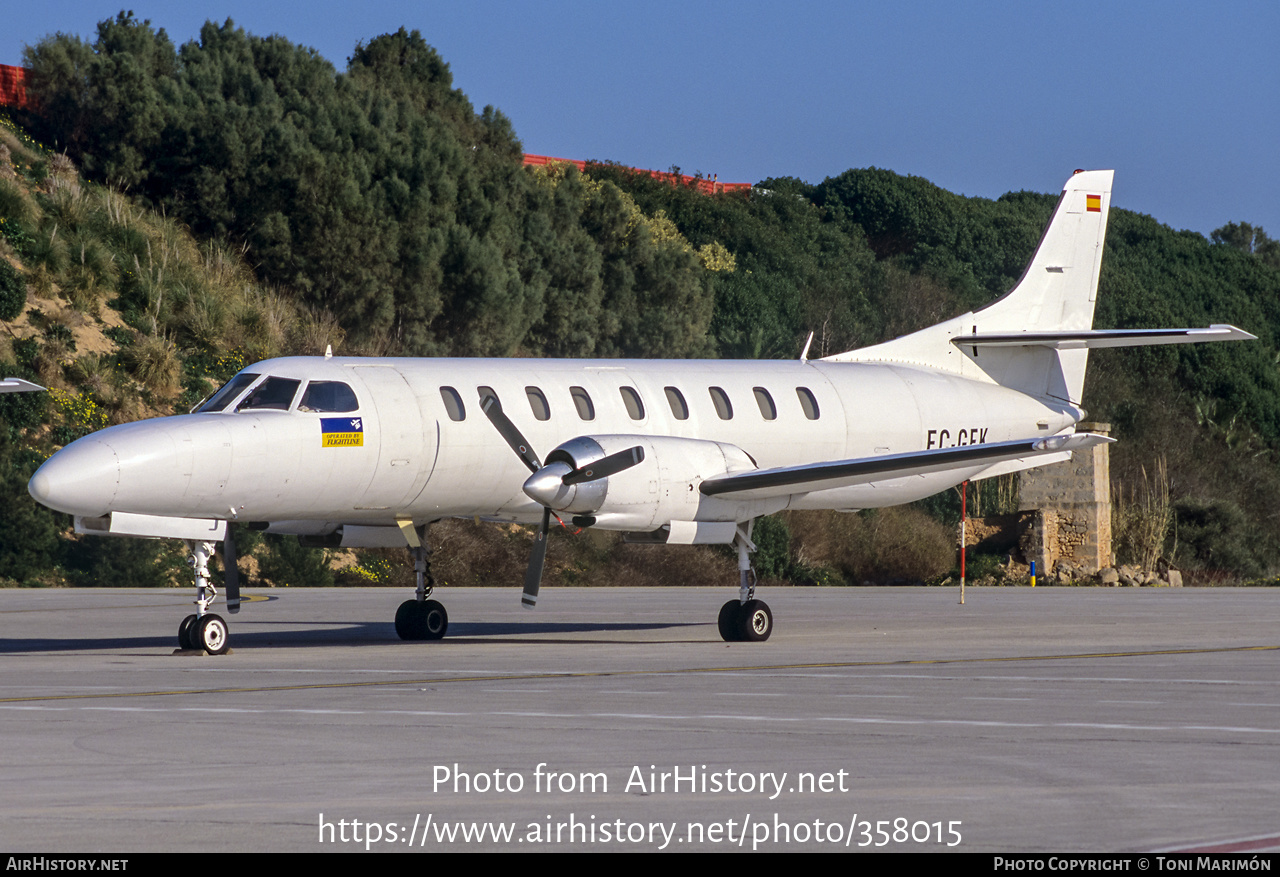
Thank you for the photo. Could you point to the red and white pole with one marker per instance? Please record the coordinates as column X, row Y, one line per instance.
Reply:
column 964, row 513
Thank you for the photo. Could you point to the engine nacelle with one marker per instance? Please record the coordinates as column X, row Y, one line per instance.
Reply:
column 660, row 489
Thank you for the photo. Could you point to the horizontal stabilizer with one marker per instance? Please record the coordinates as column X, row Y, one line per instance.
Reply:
column 1093, row 338
column 788, row 480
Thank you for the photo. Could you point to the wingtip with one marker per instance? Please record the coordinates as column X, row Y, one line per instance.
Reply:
column 1236, row 333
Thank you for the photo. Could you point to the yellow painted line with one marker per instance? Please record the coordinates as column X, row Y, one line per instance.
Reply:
column 245, row 598
column 593, row 674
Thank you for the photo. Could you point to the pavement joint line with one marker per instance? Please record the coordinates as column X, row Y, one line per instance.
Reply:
column 593, row 674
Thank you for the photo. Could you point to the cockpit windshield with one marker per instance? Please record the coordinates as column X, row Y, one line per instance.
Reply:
column 228, row 393
column 274, row 393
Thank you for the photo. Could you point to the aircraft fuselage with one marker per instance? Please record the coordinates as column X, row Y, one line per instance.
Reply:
column 424, row 450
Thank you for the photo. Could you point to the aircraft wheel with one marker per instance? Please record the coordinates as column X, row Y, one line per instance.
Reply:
column 435, row 620
column 407, row 621
column 184, row 633
column 756, row 621
column 427, row 620
column 210, row 634
column 730, row 627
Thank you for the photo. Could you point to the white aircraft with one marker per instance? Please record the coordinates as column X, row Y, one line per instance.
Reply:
column 358, row 452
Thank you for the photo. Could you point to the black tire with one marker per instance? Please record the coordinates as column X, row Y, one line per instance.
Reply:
column 409, row 621
column 185, row 640
column 756, row 621
column 210, row 634
column 729, row 622
column 435, row 620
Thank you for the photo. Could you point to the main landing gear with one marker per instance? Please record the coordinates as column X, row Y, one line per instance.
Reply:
column 421, row 618
column 745, row 619
column 203, row 630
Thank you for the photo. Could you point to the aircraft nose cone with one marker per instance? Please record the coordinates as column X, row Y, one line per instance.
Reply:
column 546, row 486
column 81, row 479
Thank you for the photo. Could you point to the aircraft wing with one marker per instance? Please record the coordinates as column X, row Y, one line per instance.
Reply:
column 765, row 483
column 18, row 385
column 1091, row 338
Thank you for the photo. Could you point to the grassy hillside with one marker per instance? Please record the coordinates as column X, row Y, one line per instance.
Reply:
column 122, row 314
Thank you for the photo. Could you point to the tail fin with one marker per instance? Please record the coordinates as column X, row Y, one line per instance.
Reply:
column 1060, row 286
column 1055, row 294
column 1036, row 338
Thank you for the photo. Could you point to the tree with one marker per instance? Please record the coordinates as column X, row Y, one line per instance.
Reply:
column 1244, row 237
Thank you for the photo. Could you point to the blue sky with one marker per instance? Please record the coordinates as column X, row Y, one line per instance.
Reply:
column 1182, row 99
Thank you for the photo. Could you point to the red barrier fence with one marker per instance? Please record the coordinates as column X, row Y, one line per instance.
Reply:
column 13, row 87
column 702, row 184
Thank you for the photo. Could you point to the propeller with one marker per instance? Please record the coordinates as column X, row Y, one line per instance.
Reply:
column 231, row 573
column 547, row 485
column 606, row 466
column 533, row 573
column 492, row 409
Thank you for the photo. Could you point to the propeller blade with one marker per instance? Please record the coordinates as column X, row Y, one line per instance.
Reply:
column 533, row 575
column 231, row 573
column 606, row 466
column 492, row 409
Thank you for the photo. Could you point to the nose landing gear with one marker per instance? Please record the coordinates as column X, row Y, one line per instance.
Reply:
column 203, row 630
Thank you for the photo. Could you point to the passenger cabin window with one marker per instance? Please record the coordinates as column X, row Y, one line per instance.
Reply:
column 273, row 394
column 808, row 403
column 485, row 393
column 538, row 402
column 332, row 396
column 768, row 410
column 453, row 403
column 721, row 400
column 679, row 408
column 582, row 401
column 228, row 393
column 630, row 398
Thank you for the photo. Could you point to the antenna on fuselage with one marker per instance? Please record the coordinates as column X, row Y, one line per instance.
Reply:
column 804, row 354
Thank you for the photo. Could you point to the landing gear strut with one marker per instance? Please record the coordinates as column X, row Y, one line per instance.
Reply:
column 745, row 619
column 421, row 618
column 203, row 630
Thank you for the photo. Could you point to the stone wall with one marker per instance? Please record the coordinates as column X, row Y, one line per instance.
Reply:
column 1072, row 505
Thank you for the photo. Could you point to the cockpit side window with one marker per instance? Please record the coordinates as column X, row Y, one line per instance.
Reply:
column 272, row 394
column 228, row 393
column 328, row 396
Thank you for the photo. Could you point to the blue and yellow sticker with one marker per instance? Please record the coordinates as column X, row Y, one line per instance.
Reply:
column 341, row 432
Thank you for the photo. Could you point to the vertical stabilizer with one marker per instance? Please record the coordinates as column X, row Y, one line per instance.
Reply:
column 1060, row 286
column 1056, row 293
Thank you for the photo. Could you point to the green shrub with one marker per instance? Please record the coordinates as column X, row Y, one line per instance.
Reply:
column 13, row 292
